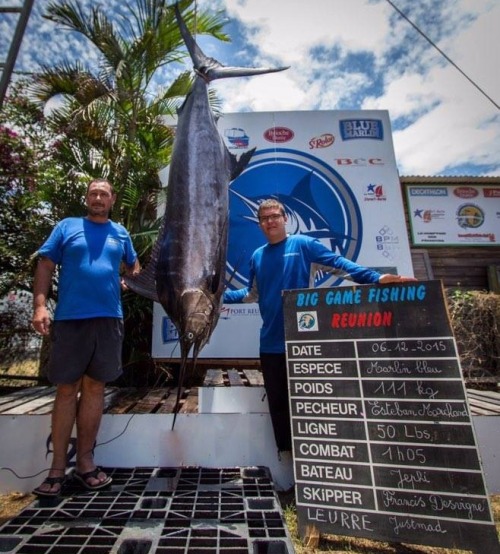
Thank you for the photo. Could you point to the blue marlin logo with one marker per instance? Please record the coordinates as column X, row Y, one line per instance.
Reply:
column 304, row 217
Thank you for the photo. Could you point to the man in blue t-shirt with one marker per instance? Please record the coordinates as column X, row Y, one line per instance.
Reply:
column 287, row 262
column 87, row 332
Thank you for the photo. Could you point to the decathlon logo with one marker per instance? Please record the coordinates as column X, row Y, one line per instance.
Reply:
column 307, row 321
column 428, row 191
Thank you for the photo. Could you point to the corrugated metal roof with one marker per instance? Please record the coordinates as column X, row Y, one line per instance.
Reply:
column 462, row 179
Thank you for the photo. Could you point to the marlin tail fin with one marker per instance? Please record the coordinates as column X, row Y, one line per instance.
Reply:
column 209, row 68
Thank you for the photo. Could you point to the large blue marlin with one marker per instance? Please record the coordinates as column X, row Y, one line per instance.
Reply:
column 187, row 267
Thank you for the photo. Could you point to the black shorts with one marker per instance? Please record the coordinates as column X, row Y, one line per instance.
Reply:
column 90, row 347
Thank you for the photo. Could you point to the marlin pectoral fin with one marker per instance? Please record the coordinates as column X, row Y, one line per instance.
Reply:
column 212, row 282
column 143, row 283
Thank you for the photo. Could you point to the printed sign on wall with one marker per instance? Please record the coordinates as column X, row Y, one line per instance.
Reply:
column 454, row 215
column 336, row 174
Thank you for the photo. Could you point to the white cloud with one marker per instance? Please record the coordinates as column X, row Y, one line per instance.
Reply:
column 478, row 49
column 449, row 122
column 355, row 54
column 433, row 144
column 291, row 28
column 261, row 93
column 457, row 125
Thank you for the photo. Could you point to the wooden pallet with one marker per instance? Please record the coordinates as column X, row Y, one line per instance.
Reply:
column 39, row 400
column 233, row 378
column 484, row 402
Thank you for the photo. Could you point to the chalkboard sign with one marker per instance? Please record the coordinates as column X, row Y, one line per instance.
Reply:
column 383, row 443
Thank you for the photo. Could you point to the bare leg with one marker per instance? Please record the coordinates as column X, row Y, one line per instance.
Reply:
column 63, row 419
column 88, row 420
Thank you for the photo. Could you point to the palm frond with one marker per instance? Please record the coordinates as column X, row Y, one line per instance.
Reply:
column 96, row 27
column 72, row 80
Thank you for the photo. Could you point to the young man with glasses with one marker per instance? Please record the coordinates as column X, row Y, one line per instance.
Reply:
column 287, row 262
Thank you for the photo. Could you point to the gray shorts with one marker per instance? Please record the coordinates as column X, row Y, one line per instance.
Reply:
column 90, row 347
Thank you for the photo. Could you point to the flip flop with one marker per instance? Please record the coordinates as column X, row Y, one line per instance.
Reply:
column 83, row 478
column 51, row 481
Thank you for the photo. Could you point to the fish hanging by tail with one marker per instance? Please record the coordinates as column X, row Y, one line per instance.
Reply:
column 188, row 262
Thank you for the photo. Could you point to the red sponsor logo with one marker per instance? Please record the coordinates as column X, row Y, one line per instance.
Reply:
column 279, row 134
column 465, row 192
column 491, row 193
column 323, row 141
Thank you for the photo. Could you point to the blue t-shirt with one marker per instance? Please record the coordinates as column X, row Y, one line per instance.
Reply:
column 289, row 264
column 89, row 255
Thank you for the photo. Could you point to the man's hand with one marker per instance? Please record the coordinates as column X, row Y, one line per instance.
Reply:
column 130, row 271
column 41, row 320
column 43, row 277
column 387, row 278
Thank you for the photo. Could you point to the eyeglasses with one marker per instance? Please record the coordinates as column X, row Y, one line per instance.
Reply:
column 270, row 218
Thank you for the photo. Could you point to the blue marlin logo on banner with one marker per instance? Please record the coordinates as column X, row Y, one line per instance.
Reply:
column 318, row 203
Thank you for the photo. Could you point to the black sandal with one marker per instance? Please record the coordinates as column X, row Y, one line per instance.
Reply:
column 51, row 481
column 83, row 478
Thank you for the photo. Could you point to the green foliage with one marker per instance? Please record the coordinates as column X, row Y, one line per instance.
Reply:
column 475, row 318
column 33, row 190
column 109, row 118
column 105, row 121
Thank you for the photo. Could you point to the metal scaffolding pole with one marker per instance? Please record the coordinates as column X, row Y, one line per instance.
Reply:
column 7, row 66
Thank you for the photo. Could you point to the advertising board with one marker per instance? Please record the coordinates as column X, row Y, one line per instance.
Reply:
column 336, row 174
column 454, row 215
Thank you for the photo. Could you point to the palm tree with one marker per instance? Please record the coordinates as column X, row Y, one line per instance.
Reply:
column 111, row 121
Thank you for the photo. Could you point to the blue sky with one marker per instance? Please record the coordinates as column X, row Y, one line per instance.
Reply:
column 351, row 54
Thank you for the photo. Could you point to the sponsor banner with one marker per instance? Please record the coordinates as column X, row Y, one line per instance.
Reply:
column 454, row 215
column 336, row 174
